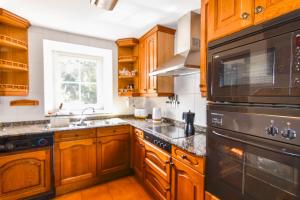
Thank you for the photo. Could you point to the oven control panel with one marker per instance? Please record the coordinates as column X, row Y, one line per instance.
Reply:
column 162, row 144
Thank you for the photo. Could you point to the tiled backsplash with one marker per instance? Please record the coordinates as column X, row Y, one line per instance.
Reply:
column 188, row 91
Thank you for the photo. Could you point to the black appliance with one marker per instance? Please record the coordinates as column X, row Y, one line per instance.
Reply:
column 257, row 65
column 166, row 134
column 11, row 144
column 253, row 153
column 189, row 118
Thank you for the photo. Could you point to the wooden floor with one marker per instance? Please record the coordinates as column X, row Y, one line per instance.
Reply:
column 127, row 188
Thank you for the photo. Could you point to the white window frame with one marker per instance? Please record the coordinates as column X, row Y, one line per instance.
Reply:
column 104, row 55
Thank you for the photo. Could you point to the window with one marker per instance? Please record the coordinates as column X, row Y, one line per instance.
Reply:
column 77, row 76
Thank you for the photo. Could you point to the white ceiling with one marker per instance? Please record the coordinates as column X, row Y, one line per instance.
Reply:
column 130, row 18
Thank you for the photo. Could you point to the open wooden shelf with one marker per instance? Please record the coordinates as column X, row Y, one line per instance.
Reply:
column 127, row 42
column 124, row 59
column 14, row 77
column 12, row 65
column 128, row 94
column 12, row 42
column 126, row 77
column 24, row 102
column 13, row 90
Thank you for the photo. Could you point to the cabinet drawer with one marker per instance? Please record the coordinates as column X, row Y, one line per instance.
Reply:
column 113, row 130
column 139, row 133
column 158, row 187
column 189, row 159
column 74, row 134
column 158, row 160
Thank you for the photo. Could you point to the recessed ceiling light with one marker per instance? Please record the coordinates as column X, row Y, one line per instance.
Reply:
column 104, row 4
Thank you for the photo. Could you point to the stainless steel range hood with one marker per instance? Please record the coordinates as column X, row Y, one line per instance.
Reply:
column 187, row 61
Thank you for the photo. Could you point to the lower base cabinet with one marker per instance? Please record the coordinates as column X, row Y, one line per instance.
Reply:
column 25, row 174
column 187, row 184
column 112, row 154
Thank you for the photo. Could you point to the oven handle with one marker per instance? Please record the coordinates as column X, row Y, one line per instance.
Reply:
column 281, row 151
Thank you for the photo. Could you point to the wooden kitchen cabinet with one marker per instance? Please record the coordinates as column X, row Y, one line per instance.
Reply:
column 229, row 16
column 113, row 154
column 187, row 184
column 25, row 174
column 270, row 9
column 157, row 171
column 156, row 47
column 75, row 161
column 138, row 154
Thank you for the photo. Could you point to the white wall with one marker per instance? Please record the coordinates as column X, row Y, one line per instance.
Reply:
column 36, row 85
column 188, row 91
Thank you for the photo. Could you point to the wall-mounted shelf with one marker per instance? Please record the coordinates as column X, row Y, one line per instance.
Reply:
column 13, row 90
column 24, row 102
column 128, row 80
column 124, row 59
column 12, row 42
column 14, row 77
column 11, row 65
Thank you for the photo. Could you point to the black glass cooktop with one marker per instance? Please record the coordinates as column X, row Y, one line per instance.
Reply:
column 172, row 132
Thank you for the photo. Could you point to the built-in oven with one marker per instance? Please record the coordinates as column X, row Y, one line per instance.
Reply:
column 262, row 66
column 253, row 153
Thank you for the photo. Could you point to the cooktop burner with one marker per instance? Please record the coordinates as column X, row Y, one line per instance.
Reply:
column 171, row 132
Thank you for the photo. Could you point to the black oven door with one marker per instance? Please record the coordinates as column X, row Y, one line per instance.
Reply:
column 252, row 72
column 245, row 168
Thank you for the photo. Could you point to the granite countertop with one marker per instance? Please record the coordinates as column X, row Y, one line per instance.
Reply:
column 195, row 144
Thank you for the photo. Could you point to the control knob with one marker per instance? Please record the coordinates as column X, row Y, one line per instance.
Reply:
column 272, row 130
column 288, row 133
column 42, row 142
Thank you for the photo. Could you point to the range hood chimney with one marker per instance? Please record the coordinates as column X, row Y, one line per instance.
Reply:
column 187, row 60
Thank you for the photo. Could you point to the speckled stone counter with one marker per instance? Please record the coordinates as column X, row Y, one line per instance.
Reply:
column 194, row 144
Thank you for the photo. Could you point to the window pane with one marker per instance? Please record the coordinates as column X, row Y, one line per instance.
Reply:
column 89, row 93
column 88, row 71
column 69, row 68
column 70, row 92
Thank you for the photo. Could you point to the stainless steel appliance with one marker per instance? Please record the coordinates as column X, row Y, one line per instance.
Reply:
column 257, row 65
column 11, row 144
column 189, row 118
column 253, row 153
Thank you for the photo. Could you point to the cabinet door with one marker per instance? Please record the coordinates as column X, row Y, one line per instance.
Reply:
column 187, row 184
column 203, row 47
column 151, row 59
column 138, row 157
column 75, row 161
column 112, row 154
column 229, row 16
column 24, row 174
column 269, row 9
column 143, row 73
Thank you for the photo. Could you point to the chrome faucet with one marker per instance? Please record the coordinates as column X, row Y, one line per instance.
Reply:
column 82, row 119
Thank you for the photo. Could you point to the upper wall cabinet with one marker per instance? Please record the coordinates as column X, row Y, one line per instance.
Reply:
column 156, row 47
column 14, row 78
column 269, row 9
column 228, row 16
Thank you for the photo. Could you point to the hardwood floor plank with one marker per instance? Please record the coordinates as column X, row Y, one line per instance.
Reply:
column 127, row 188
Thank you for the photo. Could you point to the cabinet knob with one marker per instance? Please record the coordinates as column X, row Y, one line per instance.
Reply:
column 245, row 15
column 297, row 81
column 258, row 9
column 183, row 156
